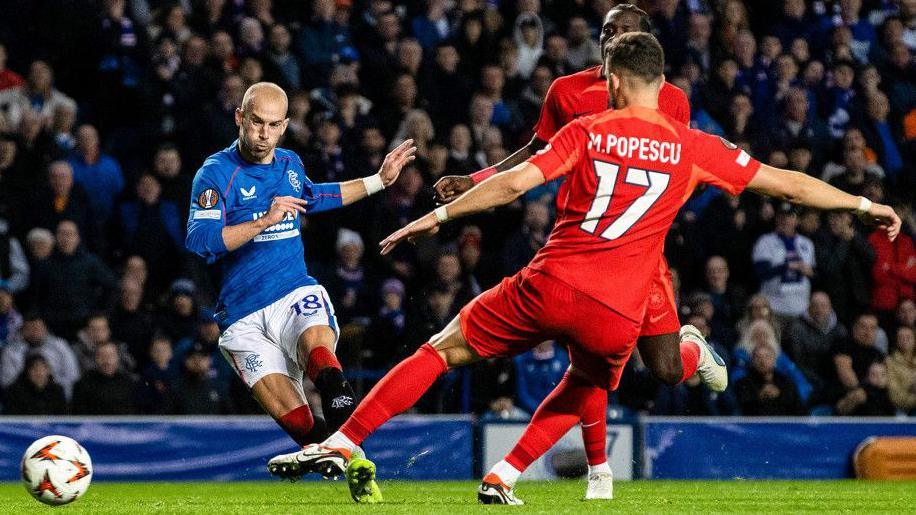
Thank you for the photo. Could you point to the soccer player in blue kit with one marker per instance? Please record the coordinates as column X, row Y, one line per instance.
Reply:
column 277, row 321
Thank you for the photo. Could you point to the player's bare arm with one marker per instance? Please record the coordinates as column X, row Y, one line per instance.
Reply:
column 799, row 188
column 498, row 190
column 395, row 161
column 449, row 187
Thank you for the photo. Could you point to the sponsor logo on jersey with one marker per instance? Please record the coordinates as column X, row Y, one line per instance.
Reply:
column 342, row 401
column 286, row 228
column 208, row 198
column 294, row 180
column 208, row 214
column 249, row 193
column 253, row 362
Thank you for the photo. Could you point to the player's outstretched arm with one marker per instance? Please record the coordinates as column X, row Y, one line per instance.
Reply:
column 498, row 190
column 358, row 189
column 799, row 188
column 449, row 187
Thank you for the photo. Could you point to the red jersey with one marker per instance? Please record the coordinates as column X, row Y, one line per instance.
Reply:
column 585, row 93
column 628, row 172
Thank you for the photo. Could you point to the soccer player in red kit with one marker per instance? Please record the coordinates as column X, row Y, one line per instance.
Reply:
column 672, row 353
column 629, row 171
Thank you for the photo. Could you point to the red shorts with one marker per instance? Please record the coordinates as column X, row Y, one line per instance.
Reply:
column 531, row 307
column 661, row 310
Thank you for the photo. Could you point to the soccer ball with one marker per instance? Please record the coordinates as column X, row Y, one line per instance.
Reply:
column 56, row 470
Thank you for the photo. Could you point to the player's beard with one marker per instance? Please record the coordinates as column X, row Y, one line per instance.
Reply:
column 253, row 150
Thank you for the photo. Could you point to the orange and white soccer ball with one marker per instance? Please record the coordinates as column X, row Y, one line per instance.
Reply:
column 56, row 470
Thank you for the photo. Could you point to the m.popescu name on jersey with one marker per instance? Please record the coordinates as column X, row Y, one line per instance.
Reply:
column 229, row 191
column 646, row 149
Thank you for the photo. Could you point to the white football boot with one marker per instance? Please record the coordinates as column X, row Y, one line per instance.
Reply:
column 313, row 458
column 600, row 486
column 711, row 366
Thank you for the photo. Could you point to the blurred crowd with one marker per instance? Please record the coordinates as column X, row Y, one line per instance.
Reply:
column 107, row 109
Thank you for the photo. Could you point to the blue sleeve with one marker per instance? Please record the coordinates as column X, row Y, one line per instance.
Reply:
column 207, row 218
column 322, row 197
column 790, row 370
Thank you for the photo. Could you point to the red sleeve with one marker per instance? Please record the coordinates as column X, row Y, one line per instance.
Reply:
column 549, row 122
column 562, row 152
column 721, row 163
column 683, row 110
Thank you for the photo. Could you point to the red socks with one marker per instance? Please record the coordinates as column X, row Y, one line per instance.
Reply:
column 400, row 389
column 690, row 357
column 565, row 406
column 319, row 359
column 298, row 423
column 594, row 426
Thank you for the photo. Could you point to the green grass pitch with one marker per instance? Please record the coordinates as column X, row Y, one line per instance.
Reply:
column 455, row 497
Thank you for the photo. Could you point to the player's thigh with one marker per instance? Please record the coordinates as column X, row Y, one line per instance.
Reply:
column 452, row 346
column 601, row 341
column 503, row 321
column 302, row 320
column 250, row 351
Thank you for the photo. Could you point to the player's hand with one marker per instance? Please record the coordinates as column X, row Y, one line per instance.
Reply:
column 280, row 207
column 885, row 218
column 395, row 161
column 424, row 226
column 448, row 188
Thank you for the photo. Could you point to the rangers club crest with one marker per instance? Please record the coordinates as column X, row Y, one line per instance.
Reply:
column 294, row 180
column 208, row 198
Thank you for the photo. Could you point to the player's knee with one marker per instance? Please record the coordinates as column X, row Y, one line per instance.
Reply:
column 317, row 336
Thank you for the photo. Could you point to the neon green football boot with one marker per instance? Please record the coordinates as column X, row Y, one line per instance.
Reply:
column 361, row 481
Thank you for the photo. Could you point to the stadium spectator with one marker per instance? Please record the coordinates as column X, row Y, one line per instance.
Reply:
column 893, row 275
column 93, row 335
column 871, row 399
column 33, row 337
column 844, row 264
column 906, row 313
column 433, row 26
column 152, row 228
column 810, row 340
column 759, row 333
column 321, row 41
column 727, row 300
column 521, row 246
column 799, row 126
column 131, row 321
column 40, row 244
column 65, row 200
column 583, row 50
column 106, row 389
column 538, row 372
column 350, row 283
column 197, row 391
column 38, row 95
column 10, row 319
column 35, row 392
column 99, row 174
column 853, row 357
column 8, row 78
column 180, row 316
column 71, row 283
column 784, row 261
column 14, row 265
column 493, row 390
column 385, row 335
column 765, row 391
column 281, row 66
column 901, row 371
column 158, row 378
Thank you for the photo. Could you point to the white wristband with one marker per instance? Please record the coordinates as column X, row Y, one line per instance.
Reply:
column 373, row 184
column 441, row 214
column 864, row 206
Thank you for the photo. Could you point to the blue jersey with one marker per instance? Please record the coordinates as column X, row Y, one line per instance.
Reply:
column 228, row 190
